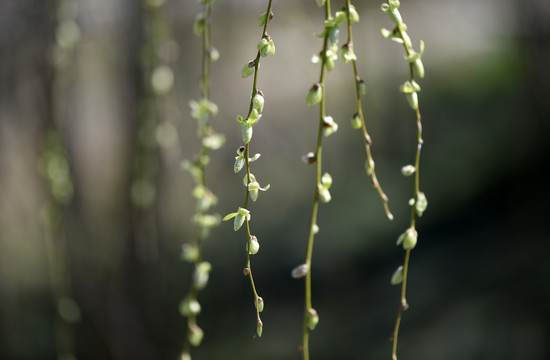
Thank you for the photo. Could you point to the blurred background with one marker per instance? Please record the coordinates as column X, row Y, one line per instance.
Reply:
column 94, row 123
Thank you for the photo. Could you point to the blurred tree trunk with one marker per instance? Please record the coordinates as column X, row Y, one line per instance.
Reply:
column 103, row 101
column 97, row 106
column 26, row 32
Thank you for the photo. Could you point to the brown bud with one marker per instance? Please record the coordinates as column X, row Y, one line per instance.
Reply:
column 309, row 158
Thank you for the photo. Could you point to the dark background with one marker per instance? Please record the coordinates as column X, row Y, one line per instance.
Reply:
column 478, row 286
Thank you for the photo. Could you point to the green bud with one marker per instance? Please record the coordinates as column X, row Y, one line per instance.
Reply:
column 331, row 55
column 395, row 16
column 401, row 238
column 315, row 95
column 326, row 180
column 213, row 141
column 207, row 200
column 253, row 246
column 264, row 17
column 259, row 328
column 410, row 242
column 356, row 122
column 206, row 220
column 406, row 39
column 244, row 212
column 330, row 22
column 393, row 12
column 260, row 304
column 386, row 33
column 248, row 179
column 203, row 160
column 324, row 195
column 320, row 2
column 253, row 194
column 200, row 24
column 190, row 307
column 330, row 126
column 204, row 267
column 419, row 68
column 162, row 79
column 199, row 191
column 340, row 16
column 203, row 110
column 253, row 117
column 262, row 43
column 258, row 101
column 362, row 87
column 214, row 54
column 409, row 87
column 408, row 170
column 412, row 98
column 329, row 62
column 248, row 69
column 369, row 167
column 408, row 239
column 253, row 186
column 195, row 335
column 397, row 277
column 241, row 120
column 266, row 46
column 394, row 3
column 353, row 15
column 246, row 133
column 239, row 163
column 347, row 53
column 333, row 33
column 312, row 319
column 421, row 203
column 189, row 252
column 268, row 50
column 395, row 36
column 201, row 275
column 240, row 216
column 185, row 356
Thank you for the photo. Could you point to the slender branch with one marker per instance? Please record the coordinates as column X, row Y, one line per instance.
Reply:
column 202, row 111
column 249, row 177
column 308, row 310
column 359, row 113
column 419, row 203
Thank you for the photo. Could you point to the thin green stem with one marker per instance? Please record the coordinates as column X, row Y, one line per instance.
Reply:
column 315, row 206
column 204, row 130
column 416, row 190
column 402, row 305
column 247, row 162
column 367, row 138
